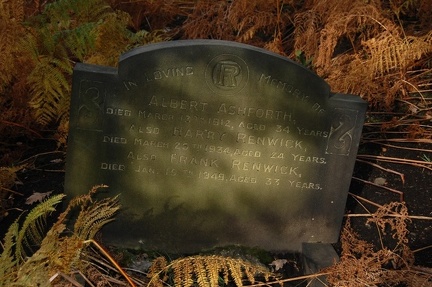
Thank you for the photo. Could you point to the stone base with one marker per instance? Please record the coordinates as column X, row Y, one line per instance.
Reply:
column 315, row 257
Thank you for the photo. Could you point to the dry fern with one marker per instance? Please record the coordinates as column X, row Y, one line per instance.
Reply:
column 114, row 30
column 38, row 52
column 11, row 30
column 359, row 48
column 57, row 253
column 205, row 271
column 361, row 264
column 241, row 21
column 50, row 89
column 391, row 53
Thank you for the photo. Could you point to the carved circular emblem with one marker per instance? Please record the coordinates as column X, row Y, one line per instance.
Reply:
column 227, row 74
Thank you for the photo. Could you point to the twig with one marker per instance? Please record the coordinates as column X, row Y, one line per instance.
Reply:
column 311, row 276
column 405, row 147
column 423, row 248
column 106, row 254
column 40, row 154
column 21, row 126
column 425, row 141
column 401, row 195
column 12, row 191
column 417, row 217
column 415, row 88
column 68, row 278
column 358, row 199
column 402, row 176
column 86, row 279
column 50, row 170
column 365, row 200
column 416, row 163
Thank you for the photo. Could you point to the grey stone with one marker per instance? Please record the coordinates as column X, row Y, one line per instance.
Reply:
column 316, row 257
column 212, row 143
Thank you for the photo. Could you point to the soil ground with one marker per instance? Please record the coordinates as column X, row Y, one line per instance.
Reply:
column 376, row 181
column 387, row 182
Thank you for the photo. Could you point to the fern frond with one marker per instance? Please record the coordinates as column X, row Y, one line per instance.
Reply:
column 18, row 9
column 80, row 41
column 50, row 89
column 199, row 269
column 60, row 253
column 8, row 262
column 30, row 229
column 390, row 52
column 11, row 31
column 206, row 271
column 159, row 265
column 243, row 21
column 81, row 200
column 91, row 218
column 212, row 273
column 404, row 7
column 61, row 11
column 235, row 268
column 57, row 253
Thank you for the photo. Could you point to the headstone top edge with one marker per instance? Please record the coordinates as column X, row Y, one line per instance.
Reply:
column 348, row 97
column 190, row 43
column 202, row 42
column 85, row 67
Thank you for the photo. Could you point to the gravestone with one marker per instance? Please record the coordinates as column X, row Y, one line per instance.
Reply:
column 213, row 143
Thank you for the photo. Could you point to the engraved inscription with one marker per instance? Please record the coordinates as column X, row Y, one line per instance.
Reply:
column 118, row 112
column 195, row 133
column 305, row 185
column 227, row 74
column 169, row 73
column 253, row 112
column 310, row 159
column 279, row 148
column 156, row 116
column 201, row 134
column 270, row 141
column 285, row 86
column 141, row 156
column 113, row 166
column 115, row 140
column 173, row 103
column 180, row 159
column 265, row 167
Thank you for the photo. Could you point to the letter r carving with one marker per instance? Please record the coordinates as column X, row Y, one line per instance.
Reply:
column 225, row 74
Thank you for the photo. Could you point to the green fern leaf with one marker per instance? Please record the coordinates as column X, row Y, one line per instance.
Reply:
column 81, row 40
column 83, row 11
column 31, row 227
column 8, row 262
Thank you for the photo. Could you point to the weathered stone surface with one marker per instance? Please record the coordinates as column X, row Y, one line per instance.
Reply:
column 213, row 143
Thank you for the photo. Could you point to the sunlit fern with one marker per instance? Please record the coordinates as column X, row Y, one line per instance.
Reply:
column 392, row 53
column 205, row 271
column 57, row 252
